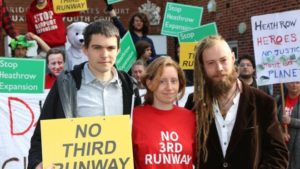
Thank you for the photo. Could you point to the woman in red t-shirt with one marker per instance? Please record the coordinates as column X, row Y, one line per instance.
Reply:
column 163, row 134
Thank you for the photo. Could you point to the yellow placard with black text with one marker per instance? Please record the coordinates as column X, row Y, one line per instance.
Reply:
column 88, row 142
column 187, row 55
column 64, row 6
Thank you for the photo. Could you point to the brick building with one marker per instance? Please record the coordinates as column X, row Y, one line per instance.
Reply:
column 229, row 14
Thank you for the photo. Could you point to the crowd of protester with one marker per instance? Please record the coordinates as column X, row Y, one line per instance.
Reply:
column 228, row 121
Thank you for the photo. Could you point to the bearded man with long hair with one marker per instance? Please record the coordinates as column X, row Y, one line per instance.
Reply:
column 237, row 126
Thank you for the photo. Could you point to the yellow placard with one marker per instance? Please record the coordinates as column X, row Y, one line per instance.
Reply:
column 89, row 142
column 187, row 55
column 64, row 6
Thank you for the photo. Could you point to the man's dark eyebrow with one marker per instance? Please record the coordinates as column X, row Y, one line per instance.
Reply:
column 96, row 45
column 110, row 46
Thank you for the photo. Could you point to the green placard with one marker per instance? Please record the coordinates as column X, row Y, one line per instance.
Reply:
column 179, row 18
column 22, row 75
column 113, row 1
column 127, row 55
column 199, row 33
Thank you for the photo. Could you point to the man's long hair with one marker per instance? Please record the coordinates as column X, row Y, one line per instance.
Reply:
column 203, row 98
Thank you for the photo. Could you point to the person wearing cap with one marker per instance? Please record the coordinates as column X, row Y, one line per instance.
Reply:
column 19, row 46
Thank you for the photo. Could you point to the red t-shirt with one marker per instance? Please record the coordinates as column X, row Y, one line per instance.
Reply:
column 289, row 104
column 163, row 139
column 47, row 24
column 49, row 80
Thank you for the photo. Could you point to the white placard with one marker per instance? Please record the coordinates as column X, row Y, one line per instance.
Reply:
column 276, row 41
column 19, row 114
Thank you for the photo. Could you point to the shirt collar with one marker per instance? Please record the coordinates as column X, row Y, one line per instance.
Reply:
column 89, row 77
column 115, row 80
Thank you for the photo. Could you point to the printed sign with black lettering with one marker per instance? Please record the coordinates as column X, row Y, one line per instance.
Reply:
column 89, row 142
column 64, row 6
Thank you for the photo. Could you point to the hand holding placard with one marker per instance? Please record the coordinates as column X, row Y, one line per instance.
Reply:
column 79, row 142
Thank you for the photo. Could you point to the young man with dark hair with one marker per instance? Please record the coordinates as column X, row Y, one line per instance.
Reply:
column 93, row 88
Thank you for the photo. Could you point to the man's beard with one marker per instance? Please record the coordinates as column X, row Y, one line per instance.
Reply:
column 221, row 87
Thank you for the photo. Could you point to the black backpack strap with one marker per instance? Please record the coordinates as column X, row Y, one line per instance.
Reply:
column 129, row 89
column 76, row 73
